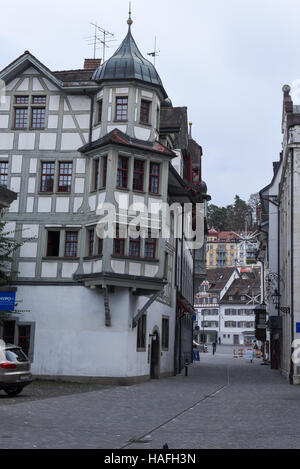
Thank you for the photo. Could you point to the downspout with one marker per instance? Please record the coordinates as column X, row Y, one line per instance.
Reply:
column 292, row 266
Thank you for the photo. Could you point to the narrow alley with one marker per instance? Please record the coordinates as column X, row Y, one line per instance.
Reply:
column 224, row 402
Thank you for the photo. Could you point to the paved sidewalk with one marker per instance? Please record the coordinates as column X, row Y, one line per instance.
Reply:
column 223, row 403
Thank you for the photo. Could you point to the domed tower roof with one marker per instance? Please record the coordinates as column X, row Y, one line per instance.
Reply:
column 213, row 232
column 127, row 64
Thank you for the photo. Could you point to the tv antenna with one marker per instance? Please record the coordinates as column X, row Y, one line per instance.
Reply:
column 155, row 53
column 100, row 37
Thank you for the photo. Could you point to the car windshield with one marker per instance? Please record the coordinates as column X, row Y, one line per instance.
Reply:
column 15, row 355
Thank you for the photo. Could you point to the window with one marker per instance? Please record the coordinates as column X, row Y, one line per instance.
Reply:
column 71, row 241
column 3, row 173
column 9, row 332
column 21, row 118
column 141, row 333
column 64, row 177
column 154, row 178
column 138, row 175
column 145, row 111
column 150, row 247
column 104, row 170
column 134, row 247
column 119, row 243
column 96, row 174
column 91, row 236
column 53, row 238
column 100, row 246
column 99, row 111
column 24, row 338
column 37, row 106
column 165, row 333
column 122, row 175
column 47, row 176
column 38, row 118
column 121, row 108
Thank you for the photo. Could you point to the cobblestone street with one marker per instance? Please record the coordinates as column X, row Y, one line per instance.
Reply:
column 224, row 402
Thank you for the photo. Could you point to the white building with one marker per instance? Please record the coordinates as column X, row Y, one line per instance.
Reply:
column 69, row 142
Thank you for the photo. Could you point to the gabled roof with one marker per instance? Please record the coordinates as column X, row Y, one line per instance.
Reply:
column 120, row 138
column 75, row 78
column 218, row 278
column 247, row 285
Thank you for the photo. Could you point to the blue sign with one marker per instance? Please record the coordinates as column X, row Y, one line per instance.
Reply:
column 297, row 326
column 7, row 300
column 194, row 318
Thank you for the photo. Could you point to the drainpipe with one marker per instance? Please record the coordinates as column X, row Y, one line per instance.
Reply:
column 292, row 267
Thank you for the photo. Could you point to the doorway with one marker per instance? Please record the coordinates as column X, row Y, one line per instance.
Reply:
column 155, row 349
column 236, row 340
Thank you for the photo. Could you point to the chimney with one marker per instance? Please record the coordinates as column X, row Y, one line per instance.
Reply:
column 91, row 64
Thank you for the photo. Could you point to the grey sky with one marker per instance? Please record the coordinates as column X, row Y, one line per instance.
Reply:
column 225, row 60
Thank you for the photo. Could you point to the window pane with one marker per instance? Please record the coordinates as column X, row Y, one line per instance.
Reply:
column 134, row 247
column 145, row 111
column 65, row 177
column 138, row 175
column 71, row 243
column 121, row 108
column 3, row 173
column 122, row 172
column 38, row 118
column 21, row 118
column 22, row 99
column 39, row 99
column 47, row 176
column 24, row 338
column 91, row 242
column 154, row 178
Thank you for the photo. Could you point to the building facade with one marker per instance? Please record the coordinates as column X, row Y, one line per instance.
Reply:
column 280, row 252
column 72, row 143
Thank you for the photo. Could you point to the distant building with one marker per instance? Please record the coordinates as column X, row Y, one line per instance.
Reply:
column 225, row 303
column 227, row 249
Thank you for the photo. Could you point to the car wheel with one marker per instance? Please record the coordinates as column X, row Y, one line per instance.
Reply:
column 13, row 390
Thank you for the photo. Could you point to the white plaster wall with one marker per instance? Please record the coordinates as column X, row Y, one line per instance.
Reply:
column 71, row 338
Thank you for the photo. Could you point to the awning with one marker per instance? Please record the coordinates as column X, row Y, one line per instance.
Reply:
column 186, row 307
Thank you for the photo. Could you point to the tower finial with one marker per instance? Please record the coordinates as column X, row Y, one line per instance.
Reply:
column 129, row 21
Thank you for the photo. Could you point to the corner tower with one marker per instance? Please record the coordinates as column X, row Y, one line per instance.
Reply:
column 130, row 94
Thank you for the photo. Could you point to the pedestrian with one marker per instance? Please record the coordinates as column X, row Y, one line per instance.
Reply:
column 214, row 347
column 219, row 340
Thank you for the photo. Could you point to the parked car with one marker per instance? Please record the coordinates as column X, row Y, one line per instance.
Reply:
column 201, row 347
column 14, row 369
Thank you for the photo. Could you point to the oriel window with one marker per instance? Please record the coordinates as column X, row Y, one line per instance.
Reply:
column 122, row 174
column 145, row 111
column 138, row 175
column 119, row 243
column 121, row 108
column 154, row 178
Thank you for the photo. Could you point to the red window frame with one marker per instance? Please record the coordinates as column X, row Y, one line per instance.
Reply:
column 65, row 176
column 154, row 178
column 150, row 243
column 39, row 99
column 135, row 247
column 21, row 122
column 3, row 173
column 47, row 173
column 145, row 111
column 138, row 175
column 122, row 172
column 71, row 243
column 119, row 243
column 22, row 99
column 38, row 116
column 121, row 108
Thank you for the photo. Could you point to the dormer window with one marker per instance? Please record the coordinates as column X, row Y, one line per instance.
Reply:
column 121, row 108
column 145, row 111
